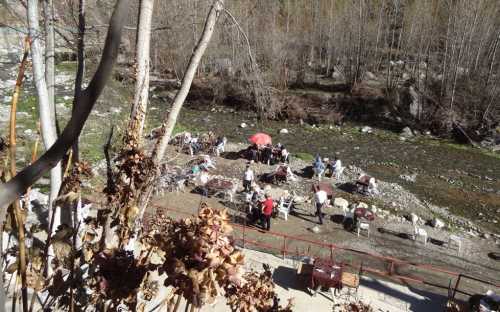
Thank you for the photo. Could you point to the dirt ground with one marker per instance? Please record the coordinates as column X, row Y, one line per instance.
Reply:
column 387, row 238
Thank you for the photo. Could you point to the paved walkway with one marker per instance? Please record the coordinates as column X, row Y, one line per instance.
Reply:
column 381, row 295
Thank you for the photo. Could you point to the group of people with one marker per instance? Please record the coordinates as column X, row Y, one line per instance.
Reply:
column 261, row 205
column 194, row 143
column 199, row 171
column 268, row 154
column 334, row 167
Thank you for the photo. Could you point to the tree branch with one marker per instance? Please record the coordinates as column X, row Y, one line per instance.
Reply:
column 15, row 187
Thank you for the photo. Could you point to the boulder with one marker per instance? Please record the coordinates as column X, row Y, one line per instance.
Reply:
column 243, row 125
column 315, row 229
column 366, row 129
column 284, row 131
column 406, row 132
column 437, row 223
column 36, row 195
column 337, row 75
column 409, row 178
column 413, row 218
column 339, row 202
column 370, row 76
column 362, row 205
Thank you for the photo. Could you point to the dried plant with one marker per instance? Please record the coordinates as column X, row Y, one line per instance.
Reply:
column 357, row 306
column 199, row 255
column 256, row 294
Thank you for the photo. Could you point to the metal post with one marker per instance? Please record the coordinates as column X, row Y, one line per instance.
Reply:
column 456, row 286
column 244, row 230
column 391, row 268
column 284, row 247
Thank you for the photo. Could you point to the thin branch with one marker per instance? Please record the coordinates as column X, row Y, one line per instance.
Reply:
column 17, row 186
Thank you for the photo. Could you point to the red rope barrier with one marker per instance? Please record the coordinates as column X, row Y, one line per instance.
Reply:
column 329, row 246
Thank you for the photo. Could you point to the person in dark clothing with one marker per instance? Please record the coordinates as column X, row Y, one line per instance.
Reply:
column 267, row 211
column 267, row 155
column 253, row 153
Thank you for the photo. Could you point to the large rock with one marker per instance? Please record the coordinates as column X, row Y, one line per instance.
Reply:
column 339, row 202
column 315, row 229
column 366, row 129
column 406, row 132
column 36, row 195
column 416, row 103
column 437, row 223
column 413, row 218
column 243, row 125
column 362, row 205
column 370, row 76
column 284, row 131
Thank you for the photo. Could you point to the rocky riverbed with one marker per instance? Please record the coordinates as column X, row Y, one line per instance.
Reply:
column 450, row 181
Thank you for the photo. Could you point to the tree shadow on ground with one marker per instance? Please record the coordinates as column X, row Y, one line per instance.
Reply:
column 429, row 301
column 347, row 187
column 409, row 236
column 233, row 155
column 287, row 278
column 305, row 173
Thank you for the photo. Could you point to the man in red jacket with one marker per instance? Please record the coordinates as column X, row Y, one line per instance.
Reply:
column 267, row 211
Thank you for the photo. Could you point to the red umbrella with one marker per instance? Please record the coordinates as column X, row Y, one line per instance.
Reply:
column 260, row 139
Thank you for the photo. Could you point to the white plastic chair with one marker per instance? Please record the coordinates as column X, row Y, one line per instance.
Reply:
column 363, row 226
column 284, row 208
column 457, row 240
column 419, row 232
column 339, row 172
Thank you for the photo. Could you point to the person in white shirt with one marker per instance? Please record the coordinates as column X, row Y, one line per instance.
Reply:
column 372, row 187
column 207, row 162
column 220, row 145
column 203, row 180
column 285, row 156
column 320, row 198
column 248, row 179
column 337, row 168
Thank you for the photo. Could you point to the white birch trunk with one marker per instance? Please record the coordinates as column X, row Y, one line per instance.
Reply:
column 47, row 120
column 171, row 119
column 50, row 53
column 138, row 114
column 181, row 95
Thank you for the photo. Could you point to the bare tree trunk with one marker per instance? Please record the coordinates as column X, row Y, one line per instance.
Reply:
column 47, row 118
column 48, row 8
column 138, row 114
column 16, row 186
column 80, row 70
column 171, row 119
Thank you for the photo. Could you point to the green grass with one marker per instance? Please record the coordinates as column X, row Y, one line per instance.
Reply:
column 304, row 156
column 69, row 67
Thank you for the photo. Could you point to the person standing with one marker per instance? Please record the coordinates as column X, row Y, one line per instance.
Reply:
column 267, row 211
column 248, row 178
column 203, row 178
column 337, row 168
column 285, row 156
column 320, row 198
column 318, row 167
